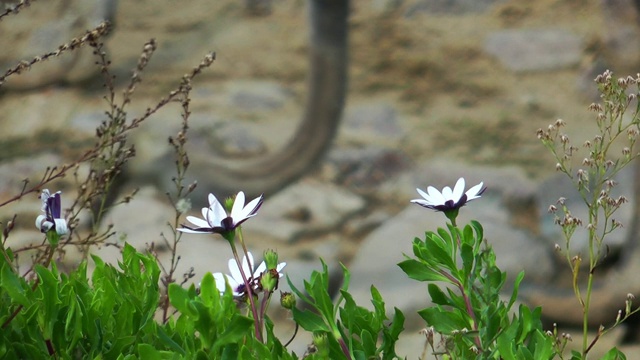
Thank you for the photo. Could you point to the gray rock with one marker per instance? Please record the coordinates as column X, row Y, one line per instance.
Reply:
column 364, row 169
column 42, row 30
column 258, row 95
column 372, row 122
column 452, row 7
column 535, row 49
column 306, row 207
column 13, row 172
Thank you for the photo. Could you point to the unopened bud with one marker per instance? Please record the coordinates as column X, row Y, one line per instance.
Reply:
column 287, row 300
column 271, row 259
column 269, row 280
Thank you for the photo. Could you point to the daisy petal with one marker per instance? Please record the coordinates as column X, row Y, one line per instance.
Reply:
column 435, row 196
column 197, row 221
column 475, row 192
column 458, row 190
column 238, row 206
column 260, row 269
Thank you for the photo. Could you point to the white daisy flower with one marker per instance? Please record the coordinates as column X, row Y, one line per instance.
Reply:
column 448, row 199
column 216, row 220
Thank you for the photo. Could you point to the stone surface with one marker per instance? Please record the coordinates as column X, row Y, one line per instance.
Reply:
column 535, row 49
column 453, row 7
column 365, row 169
column 43, row 31
column 306, row 207
column 377, row 122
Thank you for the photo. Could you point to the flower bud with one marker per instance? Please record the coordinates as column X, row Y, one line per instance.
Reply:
column 287, row 300
column 269, row 280
column 321, row 343
column 271, row 259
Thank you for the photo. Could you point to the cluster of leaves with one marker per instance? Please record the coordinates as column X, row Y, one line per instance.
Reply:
column 356, row 330
column 475, row 319
column 111, row 316
column 69, row 316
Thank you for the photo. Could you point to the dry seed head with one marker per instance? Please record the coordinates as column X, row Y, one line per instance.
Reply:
column 587, row 144
column 559, row 123
column 557, row 248
column 630, row 297
column 564, row 139
column 561, row 201
column 626, row 151
column 622, row 82
column 582, row 175
column 587, row 162
column 596, row 107
column 552, row 209
column 558, row 166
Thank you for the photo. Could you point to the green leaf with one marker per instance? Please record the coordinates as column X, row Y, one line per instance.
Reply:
column 420, row 271
column 148, row 352
column 208, row 291
column 445, row 321
column 516, row 287
column 14, row 286
column 236, row 330
column 437, row 295
column 368, row 344
column 179, row 297
column 478, row 229
column 506, row 348
column 544, row 346
column 48, row 289
column 468, row 260
column 168, row 342
column 310, row 321
column 439, row 252
column 614, row 354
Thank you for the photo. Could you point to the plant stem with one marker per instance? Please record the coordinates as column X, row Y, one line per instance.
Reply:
column 254, row 310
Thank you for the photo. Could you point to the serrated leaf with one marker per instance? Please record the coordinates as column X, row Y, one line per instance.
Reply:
column 14, row 286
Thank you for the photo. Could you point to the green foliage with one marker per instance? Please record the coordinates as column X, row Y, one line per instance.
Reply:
column 70, row 317
column 350, row 330
column 475, row 321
